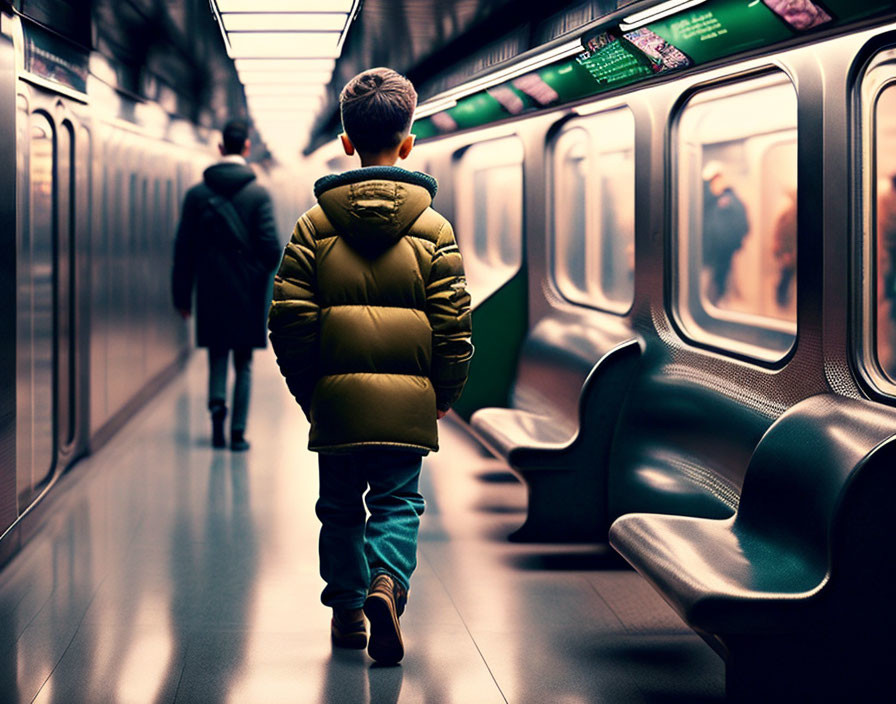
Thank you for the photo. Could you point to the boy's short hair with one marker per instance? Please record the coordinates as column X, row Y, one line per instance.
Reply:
column 377, row 107
column 234, row 136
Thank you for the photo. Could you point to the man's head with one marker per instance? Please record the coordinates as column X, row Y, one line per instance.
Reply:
column 714, row 177
column 235, row 138
column 377, row 109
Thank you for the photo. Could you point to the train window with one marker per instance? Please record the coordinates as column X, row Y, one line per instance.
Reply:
column 42, row 235
column 736, row 179
column 594, row 210
column 879, row 252
column 490, row 213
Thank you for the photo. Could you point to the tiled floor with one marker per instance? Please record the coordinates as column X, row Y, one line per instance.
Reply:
column 171, row 572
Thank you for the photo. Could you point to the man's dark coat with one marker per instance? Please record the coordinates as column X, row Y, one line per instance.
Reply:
column 232, row 283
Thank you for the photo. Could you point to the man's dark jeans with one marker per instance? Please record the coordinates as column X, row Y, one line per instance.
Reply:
column 354, row 548
column 217, row 383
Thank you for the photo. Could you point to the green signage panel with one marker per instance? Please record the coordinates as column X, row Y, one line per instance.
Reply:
column 722, row 28
column 855, row 9
column 476, row 110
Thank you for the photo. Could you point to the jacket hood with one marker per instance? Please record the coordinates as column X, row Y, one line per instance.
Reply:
column 227, row 178
column 373, row 207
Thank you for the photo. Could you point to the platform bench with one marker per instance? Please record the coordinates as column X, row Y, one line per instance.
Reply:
column 797, row 590
column 570, row 383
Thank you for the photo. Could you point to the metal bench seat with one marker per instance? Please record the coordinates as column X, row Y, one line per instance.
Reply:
column 557, row 434
column 796, row 589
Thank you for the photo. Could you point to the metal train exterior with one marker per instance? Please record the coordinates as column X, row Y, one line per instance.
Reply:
column 88, row 221
column 806, row 129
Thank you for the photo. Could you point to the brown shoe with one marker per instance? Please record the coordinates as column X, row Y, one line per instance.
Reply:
column 385, row 644
column 348, row 630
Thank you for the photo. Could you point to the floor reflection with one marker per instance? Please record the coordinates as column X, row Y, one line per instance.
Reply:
column 172, row 573
column 211, row 603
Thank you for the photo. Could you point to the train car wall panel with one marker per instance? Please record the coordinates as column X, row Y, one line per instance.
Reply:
column 8, row 508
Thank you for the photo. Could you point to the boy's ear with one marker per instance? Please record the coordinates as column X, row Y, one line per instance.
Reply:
column 407, row 144
column 347, row 145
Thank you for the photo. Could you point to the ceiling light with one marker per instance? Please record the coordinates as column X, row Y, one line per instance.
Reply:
column 282, row 106
column 262, row 78
column 657, row 12
column 282, row 21
column 310, row 89
column 284, row 44
column 282, row 5
column 286, row 65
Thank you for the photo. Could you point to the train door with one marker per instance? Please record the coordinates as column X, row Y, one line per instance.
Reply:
column 48, row 418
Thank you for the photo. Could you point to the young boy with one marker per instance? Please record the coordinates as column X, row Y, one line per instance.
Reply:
column 370, row 323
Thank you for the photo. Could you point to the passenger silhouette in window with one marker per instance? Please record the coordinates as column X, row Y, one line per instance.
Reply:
column 886, row 300
column 725, row 225
column 784, row 251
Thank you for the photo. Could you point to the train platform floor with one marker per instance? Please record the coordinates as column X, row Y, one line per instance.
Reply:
column 167, row 571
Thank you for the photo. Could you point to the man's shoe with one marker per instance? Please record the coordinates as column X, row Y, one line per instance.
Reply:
column 348, row 630
column 219, row 413
column 385, row 644
column 237, row 442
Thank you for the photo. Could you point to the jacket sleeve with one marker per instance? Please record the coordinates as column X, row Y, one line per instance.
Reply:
column 294, row 318
column 448, row 309
column 268, row 247
column 183, row 272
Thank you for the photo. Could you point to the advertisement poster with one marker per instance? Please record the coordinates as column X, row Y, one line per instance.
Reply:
column 722, row 28
column 799, row 14
column 55, row 59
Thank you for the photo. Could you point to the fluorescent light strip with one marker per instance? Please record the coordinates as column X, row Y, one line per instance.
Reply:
column 652, row 14
column 262, row 90
column 282, row 104
column 284, row 80
column 502, row 76
column 282, row 5
column 431, row 107
column 279, row 22
column 286, row 65
column 283, row 45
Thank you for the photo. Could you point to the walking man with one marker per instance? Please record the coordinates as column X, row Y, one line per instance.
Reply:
column 227, row 246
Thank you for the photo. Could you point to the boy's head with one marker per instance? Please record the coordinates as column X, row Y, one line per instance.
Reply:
column 235, row 138
column 377, row 109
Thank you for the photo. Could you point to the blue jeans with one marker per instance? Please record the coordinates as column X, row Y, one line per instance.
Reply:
column 217, row 383
column 354, row 548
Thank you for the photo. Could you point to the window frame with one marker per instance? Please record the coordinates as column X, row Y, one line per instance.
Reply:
column 596, row 296
column 687, row 328
column 865, row 243
column 467, row 161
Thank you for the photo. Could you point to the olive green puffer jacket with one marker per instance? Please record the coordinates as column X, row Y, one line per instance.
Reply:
column 370, row 320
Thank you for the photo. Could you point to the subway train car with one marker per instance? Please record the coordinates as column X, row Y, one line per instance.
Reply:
column 89, row 218
column 679, row 233
column 678, row 224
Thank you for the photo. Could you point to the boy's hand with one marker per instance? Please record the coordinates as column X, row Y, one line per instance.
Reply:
column 441, row 414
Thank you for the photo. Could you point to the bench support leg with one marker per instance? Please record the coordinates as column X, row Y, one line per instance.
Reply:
column 564, row 506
